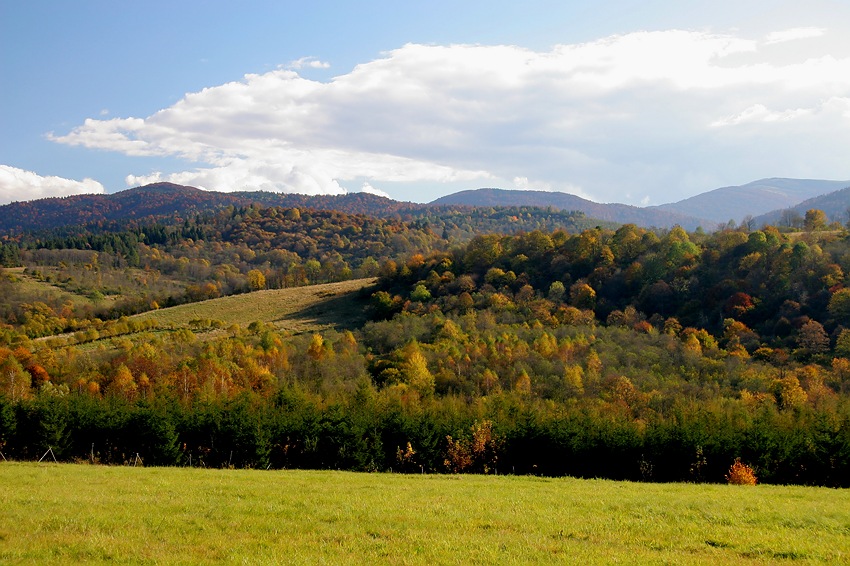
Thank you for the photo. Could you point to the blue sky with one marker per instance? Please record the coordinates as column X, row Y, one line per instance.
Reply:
column 620, row 101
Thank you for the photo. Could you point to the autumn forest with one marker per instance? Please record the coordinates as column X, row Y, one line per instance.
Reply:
column 490, row 340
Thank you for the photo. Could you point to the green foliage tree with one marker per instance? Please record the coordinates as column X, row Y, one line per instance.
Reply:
column 842, row 344
column 557, row 291
column 839, row 306
column 420, row 294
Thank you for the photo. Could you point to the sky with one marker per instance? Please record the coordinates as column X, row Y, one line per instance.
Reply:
column 639, row 102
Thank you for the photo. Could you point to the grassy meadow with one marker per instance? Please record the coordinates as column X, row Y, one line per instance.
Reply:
column 296, row 309
column 63, row 513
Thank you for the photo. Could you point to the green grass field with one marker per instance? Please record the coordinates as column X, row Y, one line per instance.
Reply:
column 79, row 513
column 297, row 309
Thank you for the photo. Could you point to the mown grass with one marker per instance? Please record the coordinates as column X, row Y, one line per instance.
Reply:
column 297, row 309
column 79, row 513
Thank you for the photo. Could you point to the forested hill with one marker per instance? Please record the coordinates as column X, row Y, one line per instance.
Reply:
column 618, row 213
column 175, row 205
column 763, row 293
column 172, row 204
column 169, row 202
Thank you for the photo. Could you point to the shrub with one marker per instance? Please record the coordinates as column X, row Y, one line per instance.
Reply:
column 740, row 474
column 478, row 455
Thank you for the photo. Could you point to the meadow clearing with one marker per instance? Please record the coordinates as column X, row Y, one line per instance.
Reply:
column 295, row 309
column 63, row 513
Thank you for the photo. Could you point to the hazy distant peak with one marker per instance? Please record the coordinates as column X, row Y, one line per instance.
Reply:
column 755, row 198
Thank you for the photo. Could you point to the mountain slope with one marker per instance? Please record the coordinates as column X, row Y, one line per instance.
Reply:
column 620, row 213
column 758, row 197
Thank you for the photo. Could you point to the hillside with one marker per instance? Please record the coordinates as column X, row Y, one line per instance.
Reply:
column 835, row 204
column 299, row 309
column 618, row 213
column 756, row 198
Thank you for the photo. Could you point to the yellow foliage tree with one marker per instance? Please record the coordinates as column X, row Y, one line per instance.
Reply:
column 788, row 393
column 15, row 382
column 123, row 384
column 574, row 379
column 522, row 384
column 256, row 280
column 582, row 295
column 415, row 372
column 490, row 382
column 316, row 350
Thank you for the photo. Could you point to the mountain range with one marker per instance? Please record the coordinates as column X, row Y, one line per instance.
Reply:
column 764, row 200
column 836, row 206
column 620, row 213
column 754, row 199
column 167, row 200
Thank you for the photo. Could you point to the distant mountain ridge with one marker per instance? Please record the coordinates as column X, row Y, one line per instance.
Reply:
column 764, row 199
column 754, row 199
column 620, row 213
column 150, row 201
column 161, row 200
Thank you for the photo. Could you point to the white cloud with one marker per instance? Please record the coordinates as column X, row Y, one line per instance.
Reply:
column 760, row 113
column 308, row 63
column 793, row 35
column 20, row 185
column 242, row 175
column 367, row 188
column 629, row 114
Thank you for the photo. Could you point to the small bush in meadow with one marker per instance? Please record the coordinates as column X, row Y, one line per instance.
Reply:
column 741, row 474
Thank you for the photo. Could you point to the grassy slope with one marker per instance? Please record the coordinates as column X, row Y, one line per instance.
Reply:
column 73, row 513
column 297, row 309
column 32, row 286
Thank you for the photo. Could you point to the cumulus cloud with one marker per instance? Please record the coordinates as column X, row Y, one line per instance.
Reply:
column 20, row 185
column 638, row 113
column 243, row 175
column 367, row 188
